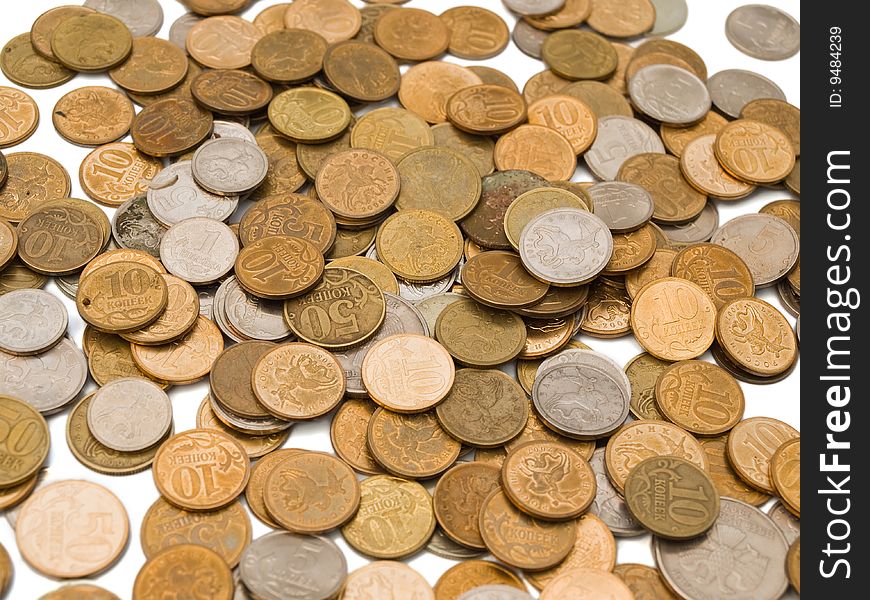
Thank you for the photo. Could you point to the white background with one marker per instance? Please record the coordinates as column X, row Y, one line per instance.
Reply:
column 704, row 31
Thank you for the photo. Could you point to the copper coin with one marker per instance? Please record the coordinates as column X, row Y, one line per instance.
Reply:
column 25, row 445
column 393, row 132
column 49, row 519
column 676, row 138
column 542, row 85
column 33, row 179
column 335, row 20
column 498, row 279
column 754, row 152
column 231, row 92
column 91, row 42
column 207, row 42
column 185, row 360
column 215, row 7
column 412, row 34
column 74, row 591
column 618, row 18
column 427, row 87
column 17, row 276
column 608, row 310
column 309, row 115
column 92, row 115
column 8, row 243
column 569, row 116
column 311, row 492
column 161, row 572
column 522, row 541
column 117, row 172
column 793, row 565
column 171, row 127
column 474, row 574
column 779, row 114
column 655, row 268
column 181, row 91
column 644, row 581
column 122, row 297
column 110, row 358
column 288, row 55
column 751, row 446
column 255, row 490
column 357, row 183
column 723, row 475
column 348, row 435
column 531, row 204
column 575, row 54
column 370, row 15
column 541, row 150
column 438, row 179
column 756, row 336
column 123, row 255
column 279, row 267
column 47, row 22
column 153, row 67
column 702, row 170
column 675, row 200
column 486, row 109
column 479, row 336
column 386, row 578
column 361, row 71
column 413, row 446
column 182, row 310
column 23, row 66
column 289, row 215
column 60, row 237
column 478, row 149
column 458, row 499
column 475, row 33
column 785, row 467
column 284, row 175
column 587, row 584
column 420, row 246
column 255, row 443
column 600, row 97
column 672, row 319
column 700, row 397
column 721, row 273
column 571, row 14
column 787, row 210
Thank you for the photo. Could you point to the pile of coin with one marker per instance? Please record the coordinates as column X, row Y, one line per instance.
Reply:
column 380, row 269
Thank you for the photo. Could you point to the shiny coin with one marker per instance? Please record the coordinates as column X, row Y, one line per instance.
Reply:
column 185, row 360
column 763, row 32
column 419, row 245
column 676, row 138
column 177, row 181
column 724, row 478
column 412, row 34
column 182, row 310
column 631, row 250
column 117, row 172
column 129, row 414
column 206, row 42
column 25, row 445
column 498, row 279
column 110, row 357
column 231, row 92
column 160, row 572
column 608, row 309
column 475, row 33
column 171, row 127
column 541, row 150
column 91, row 42
column 733, row 89
column 255, row 490
column 122, row 297
column 335, row 20
column 575, row 54
column 568, row 115
column 76, row 226
column 31, row 321
column 571, row 14
column 199, row 250
column 644, row 581
column 425, row 183
column 768, row 261
column 288, row 55
column 279, row 267
column 458, row 500
column 622, row 206
column 669, row 94
column 620, row 138
column 243, row 316
column 754, row 151
column 720, row 272
column 751, row 446
column 477, row 335
column 702, row 170
column 229, row 167
column 93, row 115
column 700, row 397
column 431, row 451
column 357, row 184
column 779, row 114
column 785, row 466
column 309, row 115
column 348, row 435
column 608, row 505
column 486, row 109
column 32, row 180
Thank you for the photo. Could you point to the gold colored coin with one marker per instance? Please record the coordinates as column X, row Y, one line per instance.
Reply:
column 427, row 87
column 700, row 397
column 309, row 115
column 378, row 272
column 91, row 42
column 16, row 276
column 631, row 250
column 123, row 255
column 532, row 203
column 348, row 433
column 185, row 360
column 161, row 573
column 756, row 337
column 207, row 42
column 288, row 214
column 577, row 54
column 420, row 246
column 110, row 357
column 702, row 170
column 486, row 109
column 33, row 180
column 47, row 22
column 393, row 132
column 536, row 431
column 21, row 116
column 412, row 34
column 724, row 477
column 779, row 114
column 24, row 444
column 478, row 149
column 675, row 200
column 754, row 152
column 600, row 97
column 425, row 449
column 153, row 67
column 284, row 175
column 438, row 179
column 352, row 243
column 479, row 336
column 793, row 564
column 541, row 150
column 643, row 372
column 20, row 62
column 335, row 20
column 655, row 268
column 279, row 267
column 93, row 115
column 254, row 491
column 720, row 272
column 122, row 297
column 12, row 496
column 751, row 447
column 8, row 243
column 182, row 310
column 677, row 138
column 785, row 473
column 498, row 279
column 547, row 336
column 608, row 309
column 357, row 184
column 469, row 574
column 255, row 445
column 475, row 33
column 568, row 115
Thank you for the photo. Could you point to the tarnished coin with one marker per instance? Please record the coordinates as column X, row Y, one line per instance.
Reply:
column 543, row 85
column 458, row 499
column 438, row 179
column 414, row 446
column 357, row 183
column 171, row 127
column 391, row 131
column 93, row 115
column 348, row 433
column 700, row 397
column 579, row 54
column 655, row 268
column 31, row 322
column 22, row 65
column 724, row 478
column 486, row 109
column 536, row 148
column 659, row 174
column 361, row 71
column 479, row 336
column 498, row 279
column 475, row 33
column 419, row 245
column 676, row 138
column 737, row 520
column 702, row 170
column 522, row 541
column 195, row 353
column 200, row 469
column 607, row 311
column 754, row 151
column 161, row 572
column 609, row 505
column 231, row 376
column 766, row 243
column 669, row 94
column 231, row 92
column 631, row 250
column 199, row 250
column 764, row 32
column 644, row 581
column 279, row 267
column 174, row 196
column 153, row 67
column 117, row 172
column 586, row 584
column 314, row 567
column 600, row 97
column 25, row 445
column 110, row 357
column 531, row 204
column 288, row 55
column 47, row 22
column 77, row 227
column 485, row 224
column 785, row 466
column 206, row 42
column 32, row 180
column 309, row 115
column 477, row 149
column 129, row 415
column 751, row 446
column 17, row 276
column 620, row 138
column 733, row 89
column 91, row 42
column 412, row 34
column 623, row 207
column 181, row 27
column 403, row 511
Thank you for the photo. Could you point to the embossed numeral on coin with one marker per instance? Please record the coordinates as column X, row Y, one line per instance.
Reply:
column 21, row 438
column 320, row 321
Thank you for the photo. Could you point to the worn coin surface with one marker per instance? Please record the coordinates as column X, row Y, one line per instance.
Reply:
column 530, row 204
column 8, row 243
column 47, row 22
column 288, row 55
column 763, row 32
column 22, row 65
column 348, row 435
column 335, row 20
column 31, row 321
column 579, row 54
column 121, row 297
column 754, row 151
column 361, row 71
column 171, row 127
column 142, row 18
column 412, row 34
column 384, row 579
column 498, row 279
column 485, row 224
column 229, row 167
column 458, row 500
column 207, row 42
column 391, row 131
column 733, row 89
column 182, row 310
column 279, row 267
column 438, row 179
column 184, row 360
column 309, row 115
column 199, row 250
column 93, row 115
column 91, row 42
column 587, row 584
column 32, row 180
column 619, row 138
column 675, row 201
column 419, row 245
column 477, row 149
column 255, row 444
column 536, row 148
column 231, row 92
column 129, row 414
column 357, row 183
column 486, row 109
column 184, row 568
column 644, row 581
column 154, row 66
column 724, row 478
column 751, row 446
column 476, row 335
column 411, row 445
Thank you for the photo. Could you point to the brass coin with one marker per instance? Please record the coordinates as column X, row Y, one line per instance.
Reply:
column 12, row 496
column 724, row 477
column 608, row 310
column 93, row 115
column 345, row 309
column 631, row 250
column 546, row 336
column 600, row 97
column 391, row 131
column 498, row 279
column 33, row 179
column 787, row 210
column 673, row 319
column 153, row 67
column 17, row 276
column 182, row 310
column 8, row 243
column 348, row 433
column 644, row 439
column 756, row 336
column 208, row 8
column 471, row 574
column 427, row 87
column 479, row 336
column 477, row 149
column 115, row 173
column 751, row 446
column 548, row 481
column 531, row 204
column 207, row 42
column 785, row 468
column 643, row 371
column 24, row 447
column 486, row 109
column 122, row 297
column 47, row 22
column 779, row 114
column 475, row 33
column 624, row 56
column 279, row 267
column 622, row 19
column 298, row 381
column 438, row 179
column 413, row 446
column 370, row 15
column 325, row 493
column 23, row 66
column 284, row 175
column 568, row 115
column 75, row 591
column 309, row 115
column 793, row 564
column 522, row 541
column 335, row 20
column 660, row 44
column 412, row 34
column 357, row 183
column 123, row 255
column 700, row 397
column 91, row 42
column 288, row 55
column 595, row 549
column 374, row 270
column 753, row 151
column 458, row 499
column 254, row 491
column 255, row 445
column 494, row 77
column 541, row 150
column 576, row 54
column 395, row 518
column 419, row 245
column 720, row 272
column 161, row 573
column 543, row 85
column 677, row 138
column 558, row 302
column 231, row 92
column 187, row 359
column 644, row 581
column 181, row 91
column 20, row 117
column 60, row 238
column 226, row 531
column 655, row 268
column 702, row 170
column 171, row 127
column 385, row 578
column 200, row 469
column 675, row 200
column 672, row 497
column 110, row 358
column 571, row 14
column 289, row 215
column 361, row 71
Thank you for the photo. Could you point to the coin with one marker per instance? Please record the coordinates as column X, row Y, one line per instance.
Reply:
column 485, row 224
column 486, row 109
column 129, row 415
column 623, row 207
column 541, row 150
column 117, row 172
column 756, row 336
column 493, row 591
column 143, row 18
column 475, row 33
column 200, row 469
column 571, row 14
column 476, row 335
column 413, row 446
column 231, row 92
column 184, row 360
column 348, row 435
column 199, row 250
column 608, row 505
column 243, row 316
column 770, row 159
column 655, row 268
column 619, row 138
column 255, row 489
column 586, row 584
column 153, row 67
column 419, row 245
column 643, row 371
column 763, row 32
column 31, row 321
column 164, row 526
column 778, row 114
column 25, row 445
column 675, row 201
column 161, row 571
column 309, row 114
column 751, row 446
column 91, row 42
column 135, row 228
column 736, row 521
column 529, row 39
column 793, row 180
column 700, row 397
column 181, row 27
column 92, row 115
column 288, row 55
column 644, row 581
column 600, row 97
column 279, row 267
column 33, row 179
column 785, row 467
column 788, row 524
column 256, row 443
column 412, row 34
column 644, row 439
column 171, row 127
column 206, row 42
column 22, row 65
column 498, row 279
column 361, row 71
column 47, row 22
column 110, row 357
column 793, row 565
column 122, row 297
column 177, row 181
column 477, row 149
column 608, row 310
column 17, row 276
column 508, row 534
column 403, row 510
column 543, row 85
column 724, row 478
column 458, row 499
column 425, row 183
column 391, row 131
column 49, row 510
column 671, row 319
column 568, row 115
column 335, row 20
column 721, row 273
column 182, row 309
column 676, row 138
column 475, row 575
column 357, row 184
column 381, row 579
column 575, row 54
column 595, row 548
column 733, row 89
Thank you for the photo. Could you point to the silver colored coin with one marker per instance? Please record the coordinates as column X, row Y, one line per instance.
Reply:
column 788, row 524
column 181, row 27
column 529, row 39
column 608, row 505
column 206, row 301
column 255, row 318
column 199, row 250
column 229, row 167
column 249, row 425
column 441, row 545
column 31, row 321
column 671, row 15
column 219, row 313
column 414, row 292
column 69, row 285
column 174, row 196
column 47, row 381
column 311, row 567
column 622, row 206
column 797, row 328
column 763, row 32
column 580, row 401
column 534, row 7
column 401, row 317
column 698, row 230
column 767, row 244
column 129, row 414
column 743, row 545
column 669, row 94
column 142, row 17
column 596, row 360
column 433, row 306
column 495, row 592
column 134, row 227
column 733, row 89
column 232, row 129
column 619, row 138
column 565, row 246
column 790, row 300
